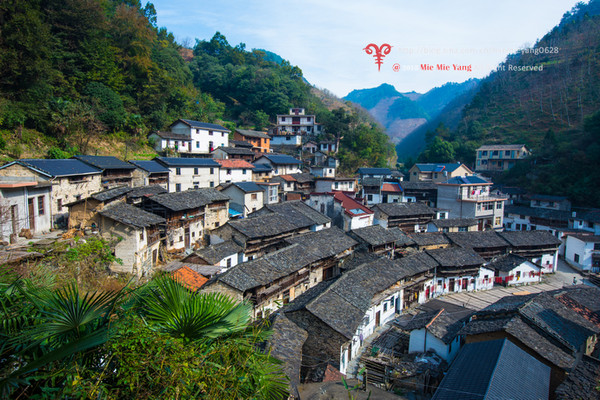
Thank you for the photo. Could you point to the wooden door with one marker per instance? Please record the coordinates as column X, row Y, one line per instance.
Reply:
column 31, row 214
column 377, row 318
column 14, row 216
column 186, row 236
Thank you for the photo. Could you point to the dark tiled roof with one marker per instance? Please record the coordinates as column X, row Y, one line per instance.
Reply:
column 174, row 136
column 530, row 238
column 488, row 370
column 438, row 167
column 104, row 162
column 374, row 171
column 456, row 257
column 418, row 186
column 264, row 225
column 60, row 167
column 130, row 215
column 145, row 191
column 202, row 125
column 587, row 296
column 254, row 134
column 327, row 242
column 581, row 383
column 547, row 197
column 188, row 162
column 179, row 201
column 466, row 180
column 262, row 168
column 241, row 143
column 236, row 150
column 281, row 159
column 110, row 194
column 213, row 254
column 376, row 235
column 538, row 212
column 303, row 178
column 404, row 209
column 248, row 187
column 477, row 239
column 592, row 215
column 371, row 181
column 507, row 262
column 586, row 238
column 151, row 166
column 454, row 222
column 429, row 239
column 298, row 213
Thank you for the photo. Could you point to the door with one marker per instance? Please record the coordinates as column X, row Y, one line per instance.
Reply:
column 186, row 236
column 451, row 285
column 377, row 318
column 154, row 257
column 14, row 216
column 31, row 214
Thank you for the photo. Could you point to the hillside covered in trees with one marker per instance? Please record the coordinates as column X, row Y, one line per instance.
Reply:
column 555, row 112
column 77, row 71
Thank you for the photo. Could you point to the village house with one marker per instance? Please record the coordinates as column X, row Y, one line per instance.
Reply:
column 310, row 146
column 391, row 193
column 84, row 213
column 189, row 215
column 453, row 225
column 265, row 230
column 410, row 217
column 114, row 171
column 368, row 172
column 303, row 183
column 261, row 142
column 24, row 204
column 169, row 142
column 139, row 233
column 381, row 241
column 328, row 146
column 586, row 220
column 262, row 173
column 539, row 247
column 345, row 212
column 550, row 202
column 583, row 250
column 279, row 277
column 150, row 172
column 514, row 270
column 246, row 197
column 233, row 153
column 471, row 197
column 135, row 195
column 498, row 363
column 235, row 171
column 205, row 137
column 322, row 171
column 223, row 255
column 435, row 328
column 429, row 241
column 371, row 190
column 419, row 192
column 327, row 185
column 437, row 172
column 190, row 173
column 488, row 244
column 280, row 163
column 70, row 180
column 271, row 190
column 297, row 122
column 498, row 158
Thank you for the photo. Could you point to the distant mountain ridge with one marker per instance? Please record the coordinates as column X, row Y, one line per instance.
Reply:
column 401, row 114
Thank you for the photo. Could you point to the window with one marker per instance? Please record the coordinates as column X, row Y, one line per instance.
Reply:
column 222, row 134
column 385, row 306
column 78, row 197
column 462, row 228
column 576, row 258
column 495, row 153
column 178, row 187
column 498, row 221
column 228, row 171
column 282, row 119
column 323, row 208
column 193, row 234
column 499, row 205
column 181, row 238
column 288, row 138
column 370, row 197
column 507, row 153
column 217, row 224
column 177, row 171
column 212, row 184
column 253, row 196
column 243, row 172
column 596, row 246
column 41, row 209
column 210, row 133
column 485, row 152
column 229, row 263
column 142, row 235
column 59, row 204
column 197, row 144
column 518, row 275
column 195, row 171
column 212, row 171
column 210, row 146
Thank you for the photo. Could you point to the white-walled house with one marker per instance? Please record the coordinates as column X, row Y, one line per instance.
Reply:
column 583, row 251
column 205, row 137
column 326, row 185
column 191, row 173
column 233, row 170
column 169, row 141
column 513, row 270
column 345, row 212
column 280, row 163
column 24, row 204
column 247, row 196
column 224, row 255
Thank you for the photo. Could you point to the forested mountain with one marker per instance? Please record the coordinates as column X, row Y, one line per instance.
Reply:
column 555, row 111
column 75, row 71
column 404, row 114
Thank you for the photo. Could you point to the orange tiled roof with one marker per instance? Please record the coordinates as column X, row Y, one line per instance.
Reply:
column 235, row 163
column 287, row 178
column 391, row 187
column 189, row 278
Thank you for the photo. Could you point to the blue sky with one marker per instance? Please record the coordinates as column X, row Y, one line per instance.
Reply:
column 326, row 38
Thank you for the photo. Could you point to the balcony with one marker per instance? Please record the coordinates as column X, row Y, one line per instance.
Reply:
column 483, row 197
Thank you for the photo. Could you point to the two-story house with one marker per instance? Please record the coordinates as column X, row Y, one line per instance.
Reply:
column 261, row 142
column 437, row 172
column 191, row 173
column 471, row 197
column 150, row 172
column 115, row 172
column 246, row 197
column 166, row 142
column 499, row 157
column 24, row 204
column 205, row 137
column 235, row 171
column 296, row 122
column 281, row 164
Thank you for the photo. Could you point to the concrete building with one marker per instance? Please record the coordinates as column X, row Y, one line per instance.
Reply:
column 437, row 172
column 583, row 250
column 498, row 158
column 246, row 197
column 24, row 204
column 191, row 173
column 205, row 137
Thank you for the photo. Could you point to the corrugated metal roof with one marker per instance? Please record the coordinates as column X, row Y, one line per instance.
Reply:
column 281, row 159
column 188, row 162
column 151, row 166
column 104, row 162
column 60, row 167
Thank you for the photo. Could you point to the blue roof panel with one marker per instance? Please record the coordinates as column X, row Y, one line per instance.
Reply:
column 188, row 162
column 104, row 162
column 149, row 165
column 249, row 187
column 466, row 180
column 281, row 159
column 374, row 171
column 60, row 167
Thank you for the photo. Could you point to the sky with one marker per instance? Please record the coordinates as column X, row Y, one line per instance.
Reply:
column 327, row 38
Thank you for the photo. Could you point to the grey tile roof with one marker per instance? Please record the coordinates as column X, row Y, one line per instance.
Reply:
column 60, row 167
column 202, row 125
column 145, row 191
column 130, row 215
column 489, row 370
column 264, row 225
column 506, row 262
column 324, row 243
column 303, row 177
column 456, row 257
column 374, row 171
column 454, row 222
column 241, row 143
column 236, row 150
column 190, row 199
column 371, row 182
column 581, row 383
column 151, row 166
column 297, row 212
column 404, row 209
column 547, row 197
column 188, row 162
column 254, row 134
column 248, row 187
column 281, row 159
column 429, row 239
column 417, row 185
column 171, row 135
column 110, row 194
column 104, row 162
column 592, row 215
column 213, row 254
column 477, row 239
column 530, row 238
column 376, row 235
column 262, row 167
column 538, row 212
